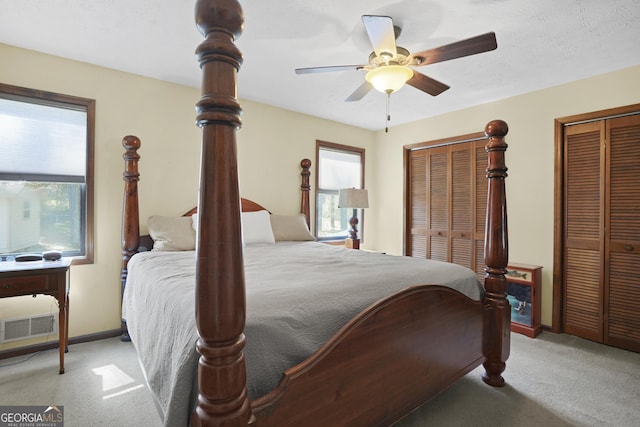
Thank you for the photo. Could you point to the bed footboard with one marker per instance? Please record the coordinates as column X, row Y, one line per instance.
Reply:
column 384, row 363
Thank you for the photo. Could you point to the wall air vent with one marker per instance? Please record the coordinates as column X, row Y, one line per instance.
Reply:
column 20, row 328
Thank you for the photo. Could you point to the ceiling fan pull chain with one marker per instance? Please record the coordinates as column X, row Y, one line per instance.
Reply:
column 386, row 129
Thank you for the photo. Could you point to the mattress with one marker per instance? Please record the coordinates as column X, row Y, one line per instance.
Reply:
column 298, row 295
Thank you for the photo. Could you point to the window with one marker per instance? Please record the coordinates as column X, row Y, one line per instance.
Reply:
column 337, row 166
column 46, row 173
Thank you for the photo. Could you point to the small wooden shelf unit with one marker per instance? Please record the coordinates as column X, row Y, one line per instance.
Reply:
column 523, row 292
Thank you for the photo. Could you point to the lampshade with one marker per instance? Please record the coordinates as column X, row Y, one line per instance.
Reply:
column 389, row 78
column 353, row 198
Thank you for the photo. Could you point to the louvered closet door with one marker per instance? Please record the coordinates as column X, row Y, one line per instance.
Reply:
column 416, row 244
column 481, row 186
column 447, row 188
column 622, row 296
column 438, row 204
column 584, row 245
column 460, row 236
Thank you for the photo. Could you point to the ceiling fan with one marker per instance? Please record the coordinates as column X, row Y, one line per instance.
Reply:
column 390, row 66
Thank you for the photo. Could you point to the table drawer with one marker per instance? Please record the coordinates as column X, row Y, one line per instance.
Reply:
column 11, row 285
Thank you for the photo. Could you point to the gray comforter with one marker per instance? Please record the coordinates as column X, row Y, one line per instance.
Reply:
column 298, row 295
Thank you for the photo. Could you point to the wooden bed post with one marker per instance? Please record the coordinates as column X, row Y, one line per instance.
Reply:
column 220, row 292
column 130, row 213
column 305, row 187
column 496, row 253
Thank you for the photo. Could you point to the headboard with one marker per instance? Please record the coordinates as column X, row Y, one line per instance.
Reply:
column 132, row 241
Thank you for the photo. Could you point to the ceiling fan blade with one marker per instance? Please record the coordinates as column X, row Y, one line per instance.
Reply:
column 359, row 93
column 470, row 46
column 312, row 70
column 427, row 84
column 381, row 33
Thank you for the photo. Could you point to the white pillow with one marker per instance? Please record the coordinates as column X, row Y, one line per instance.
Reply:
column 171, row 233
column 256, row 228
column 290, row 228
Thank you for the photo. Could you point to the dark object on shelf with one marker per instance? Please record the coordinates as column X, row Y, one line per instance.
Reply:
column 28, row 257
column 51, row 255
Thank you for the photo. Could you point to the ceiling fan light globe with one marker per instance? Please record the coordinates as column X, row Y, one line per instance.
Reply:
column 389, row 78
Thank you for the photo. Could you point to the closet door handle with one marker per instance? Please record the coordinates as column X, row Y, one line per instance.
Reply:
column 628, row 248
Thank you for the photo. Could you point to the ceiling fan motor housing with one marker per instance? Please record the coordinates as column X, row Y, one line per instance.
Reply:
column 386, row 58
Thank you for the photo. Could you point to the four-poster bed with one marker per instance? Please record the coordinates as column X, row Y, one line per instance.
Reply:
column 389, row 358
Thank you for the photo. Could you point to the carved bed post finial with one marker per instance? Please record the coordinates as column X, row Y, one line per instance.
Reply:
column 220, row 292
column 130, row 212
column 496, row 253
column 305, row 187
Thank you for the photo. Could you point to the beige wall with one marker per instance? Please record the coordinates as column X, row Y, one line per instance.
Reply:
column 270, row 146
column 530, row 159
column 125, row 104
column 162, row 115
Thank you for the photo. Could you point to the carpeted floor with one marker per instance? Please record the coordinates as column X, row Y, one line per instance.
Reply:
column 553, row 380
column 102, row 385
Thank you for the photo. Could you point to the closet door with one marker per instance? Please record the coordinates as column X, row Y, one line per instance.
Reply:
column 622, row 259
column 438, row 203
column 481, row 189
column 583, row 243
column 461, row 200
column 416, row 235
column 601, row 253
column 446, row 206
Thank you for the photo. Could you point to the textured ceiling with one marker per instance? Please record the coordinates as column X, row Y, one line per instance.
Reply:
column 541, row 43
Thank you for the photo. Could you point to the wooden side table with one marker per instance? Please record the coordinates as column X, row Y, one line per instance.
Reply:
column 524, row 295
column 40, row 277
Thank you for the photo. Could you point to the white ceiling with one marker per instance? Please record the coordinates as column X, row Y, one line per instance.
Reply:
column 541, row 43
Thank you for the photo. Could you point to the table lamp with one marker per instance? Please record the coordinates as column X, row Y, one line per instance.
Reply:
column 353, row 198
